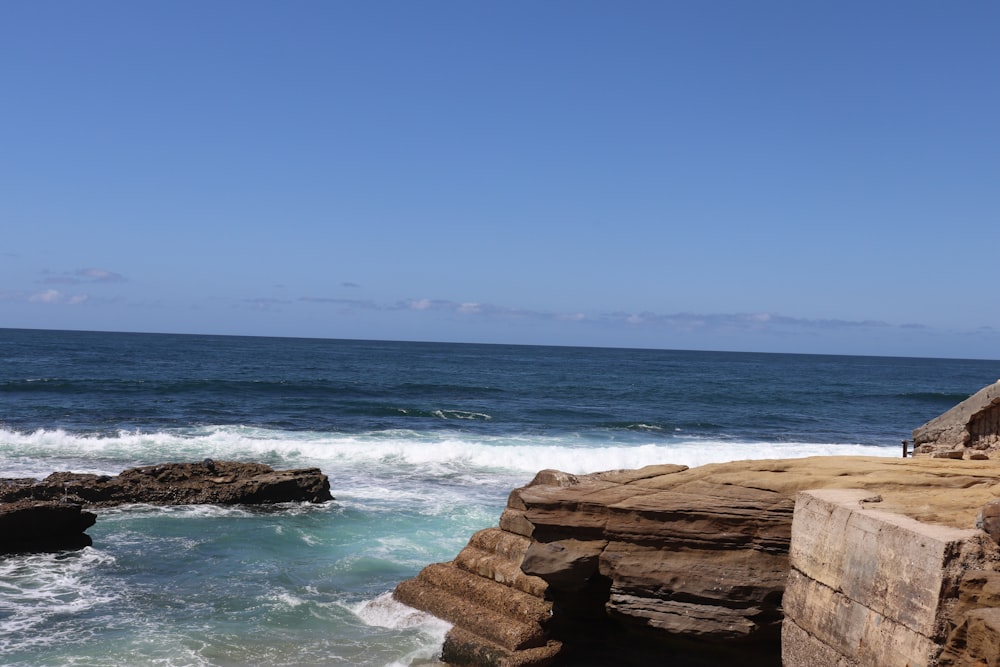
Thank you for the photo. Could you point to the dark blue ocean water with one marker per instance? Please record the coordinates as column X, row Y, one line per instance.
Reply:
column 422, row 443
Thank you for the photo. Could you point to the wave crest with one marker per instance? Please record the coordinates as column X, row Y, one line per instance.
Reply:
column 433, row 453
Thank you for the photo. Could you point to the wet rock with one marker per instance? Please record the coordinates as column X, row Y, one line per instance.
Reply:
column 214, row 482
column 28, row 525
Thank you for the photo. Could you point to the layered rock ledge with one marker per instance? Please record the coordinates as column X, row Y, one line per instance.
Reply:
column 49, row 514
column 692, row 565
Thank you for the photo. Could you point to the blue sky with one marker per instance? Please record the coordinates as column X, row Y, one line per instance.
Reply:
column 768, row 176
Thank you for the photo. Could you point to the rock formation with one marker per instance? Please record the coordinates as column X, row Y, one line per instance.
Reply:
column 27, row 525
column 47, row 515
column 970, row 429
column 208, row 482
column 869, row 587
column 689, row 565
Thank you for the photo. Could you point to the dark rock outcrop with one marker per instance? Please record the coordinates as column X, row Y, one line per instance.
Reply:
column 28, row 525
column 208, row 482
column 48, row 515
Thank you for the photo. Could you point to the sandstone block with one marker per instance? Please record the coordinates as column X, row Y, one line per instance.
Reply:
column 872, row 585
column 799, row 648
column 852, row 630
column 889, row 563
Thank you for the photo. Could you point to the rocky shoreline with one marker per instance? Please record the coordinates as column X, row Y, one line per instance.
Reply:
column 696, row 565
column 818, row 562
column 53, row 513
column 815, row 562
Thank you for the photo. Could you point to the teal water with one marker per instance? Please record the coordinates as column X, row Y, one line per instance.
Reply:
column 422, row 443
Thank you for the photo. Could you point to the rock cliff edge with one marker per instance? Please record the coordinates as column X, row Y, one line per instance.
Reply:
column 730, row 561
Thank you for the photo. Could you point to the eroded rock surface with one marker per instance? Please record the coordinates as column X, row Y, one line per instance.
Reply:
column 971, row 429
column 874, row 588
column 664, row 562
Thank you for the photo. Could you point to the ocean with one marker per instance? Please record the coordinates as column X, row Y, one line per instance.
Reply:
column 422, row 443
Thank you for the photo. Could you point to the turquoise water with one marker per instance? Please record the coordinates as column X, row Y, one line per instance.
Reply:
column 422, row 443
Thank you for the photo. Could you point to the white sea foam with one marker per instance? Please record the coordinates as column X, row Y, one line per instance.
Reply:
column 42, row 452
column 127, row 512
column 37, row 587
column 284, row 599
column 461, row 414
column 385, row 611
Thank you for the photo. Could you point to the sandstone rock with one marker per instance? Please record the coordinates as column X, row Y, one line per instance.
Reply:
column 28, row 525
column 975, row 641
column 567, row 565
column 695, row 556
column 974, row 423
column 208, row 482
column 949, row 454
column 988, row 520
column 873, row 587
column 499, row 612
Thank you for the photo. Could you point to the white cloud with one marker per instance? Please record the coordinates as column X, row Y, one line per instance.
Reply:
column 53, row 296
column 421, row 304
column 100, row 275
column 728, row 323
column 82, row 276
column 739, row 321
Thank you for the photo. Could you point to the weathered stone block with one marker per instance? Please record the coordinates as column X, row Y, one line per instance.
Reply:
column 799, row 648
column 889, row 563
column 873, row 586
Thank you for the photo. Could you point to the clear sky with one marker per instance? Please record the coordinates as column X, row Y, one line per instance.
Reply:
column 707, row 174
